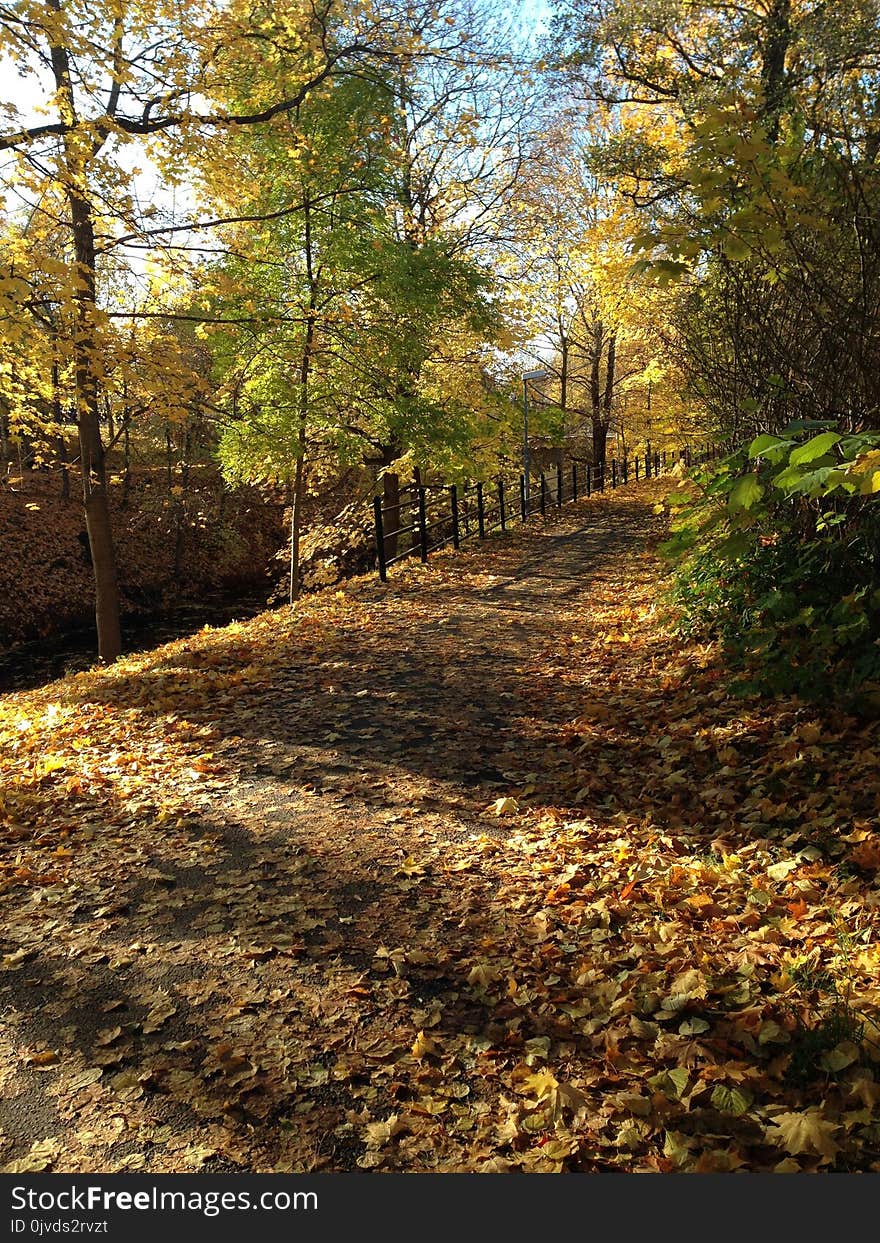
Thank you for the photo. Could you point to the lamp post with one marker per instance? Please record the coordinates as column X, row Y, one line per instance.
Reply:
column 539, row 373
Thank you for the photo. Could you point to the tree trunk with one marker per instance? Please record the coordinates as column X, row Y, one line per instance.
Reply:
column 126, row 457
column 600, row 440
column 305, row 369
column 608, row 395
column 774, row 79
column 597, row 418
column 559, row 450
column 91, row 448
column 296, row 523
column 64, row 464
column 88, row 409
column 390, row 499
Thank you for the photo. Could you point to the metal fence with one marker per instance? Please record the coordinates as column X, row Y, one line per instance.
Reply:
column 425, row 518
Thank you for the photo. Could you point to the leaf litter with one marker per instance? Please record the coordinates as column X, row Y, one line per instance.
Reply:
column 479, row 870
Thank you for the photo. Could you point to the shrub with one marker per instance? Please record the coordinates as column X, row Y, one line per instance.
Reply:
column 777, row 553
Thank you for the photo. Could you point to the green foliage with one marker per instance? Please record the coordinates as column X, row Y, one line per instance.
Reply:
column 350, row 322
column 777, row 552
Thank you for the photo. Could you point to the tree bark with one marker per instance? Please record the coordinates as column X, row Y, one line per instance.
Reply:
column 390, row 499
column 598, row 416
column 559, row 450
column 305, row 368
column 608, row 395
column 91, row 448
column 774, row 79
column 88, row 409
column 600, row 441
column 296, row 524
column 126, row 457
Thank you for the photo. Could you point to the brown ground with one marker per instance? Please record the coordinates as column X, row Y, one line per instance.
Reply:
column 46, row 581
column 476, row 871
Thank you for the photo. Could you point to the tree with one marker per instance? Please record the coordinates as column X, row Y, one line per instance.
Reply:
column 111, row 76
column 746, row 137
column 296, row 277
column 573, row 289
column 385, row 277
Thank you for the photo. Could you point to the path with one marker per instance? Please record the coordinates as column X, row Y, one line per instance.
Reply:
column 294, row 932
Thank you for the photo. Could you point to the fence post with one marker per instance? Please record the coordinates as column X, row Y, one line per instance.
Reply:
column 501, row 505
column 589, row 479
column 481, row 516
column 601, row 478
column 423, row 527
column 614, row 472
column 522, row 498
column 574, row 481
column 558, row 486
column 380, row 538
column 543, row 494
column 453, row 501
column 625, row 470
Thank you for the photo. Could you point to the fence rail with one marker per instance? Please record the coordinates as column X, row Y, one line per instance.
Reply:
column 434, row 516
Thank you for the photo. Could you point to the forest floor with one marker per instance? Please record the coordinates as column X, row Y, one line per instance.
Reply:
column 170, row 549
column 480, row 870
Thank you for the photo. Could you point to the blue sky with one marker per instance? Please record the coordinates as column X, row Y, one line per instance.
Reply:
column 535, row 13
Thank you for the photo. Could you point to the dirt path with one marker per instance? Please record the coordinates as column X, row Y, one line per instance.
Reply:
column 264, row 914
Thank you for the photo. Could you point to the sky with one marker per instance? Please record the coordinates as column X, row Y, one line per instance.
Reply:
column 535, row 13
column 29, row 93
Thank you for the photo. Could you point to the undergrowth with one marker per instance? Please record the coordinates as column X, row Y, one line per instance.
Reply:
column 776, row 551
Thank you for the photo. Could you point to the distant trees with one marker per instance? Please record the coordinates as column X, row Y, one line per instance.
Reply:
column 572, row 286
column 747, row 138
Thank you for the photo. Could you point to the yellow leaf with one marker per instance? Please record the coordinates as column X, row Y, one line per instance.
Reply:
column 423, row 1046
column 482, row 974
column 40, row 1157
column 540, row 1085
column 804, row 1132
column 381, row 1133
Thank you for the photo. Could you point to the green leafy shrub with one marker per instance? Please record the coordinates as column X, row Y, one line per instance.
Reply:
column 777, row 553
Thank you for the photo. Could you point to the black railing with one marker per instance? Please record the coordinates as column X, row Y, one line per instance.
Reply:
column 437, row 515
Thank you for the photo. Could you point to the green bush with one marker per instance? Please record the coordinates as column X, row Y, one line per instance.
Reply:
column 777, row 553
